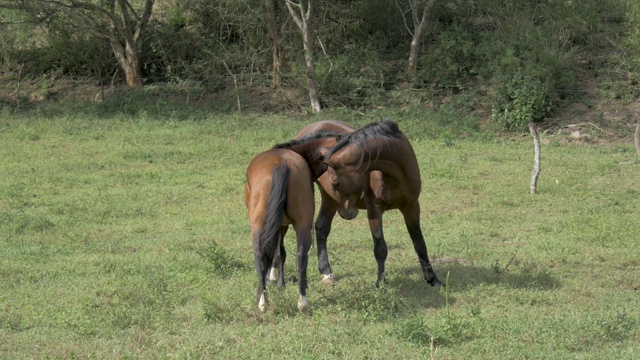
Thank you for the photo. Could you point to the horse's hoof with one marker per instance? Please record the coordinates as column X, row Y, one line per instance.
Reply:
column 436, row 284
column 303, row 305
column 328, row 279
column 272, row 276
column 262, row 303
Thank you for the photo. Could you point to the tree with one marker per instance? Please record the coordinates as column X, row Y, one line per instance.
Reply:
column 301, row 14
column 116, row 21
column 276, row 47
column 419, row 26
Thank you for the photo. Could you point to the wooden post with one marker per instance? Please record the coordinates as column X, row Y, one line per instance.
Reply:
column 637, row 138
column 536, row 160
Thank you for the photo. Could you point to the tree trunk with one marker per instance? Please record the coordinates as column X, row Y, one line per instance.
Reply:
column 276, row 48
column 132, row 69
column 311, row 69
column 302, row 20
column 129, row 61
column 412, row 69
column 419, row 26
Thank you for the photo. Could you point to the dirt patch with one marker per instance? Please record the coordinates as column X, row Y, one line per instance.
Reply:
column 31, row 92
column 591, row 120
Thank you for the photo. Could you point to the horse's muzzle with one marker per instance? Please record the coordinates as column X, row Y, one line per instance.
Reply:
column 348, row 213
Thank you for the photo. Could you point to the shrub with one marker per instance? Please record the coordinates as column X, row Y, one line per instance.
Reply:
column 521, row 95
column 449, row 60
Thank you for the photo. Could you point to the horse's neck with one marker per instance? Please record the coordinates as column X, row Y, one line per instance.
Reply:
column 397, row 161
column 309, row 151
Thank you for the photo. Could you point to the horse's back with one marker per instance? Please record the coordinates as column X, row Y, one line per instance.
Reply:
column 326, row 125
column 300, row 201
column 259, row 180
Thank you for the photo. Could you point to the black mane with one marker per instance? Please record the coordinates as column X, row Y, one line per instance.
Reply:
column 319, row 135
column 384, row 130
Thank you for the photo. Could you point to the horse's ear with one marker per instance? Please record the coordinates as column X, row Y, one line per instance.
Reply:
column 323, row 152
column 329, row 163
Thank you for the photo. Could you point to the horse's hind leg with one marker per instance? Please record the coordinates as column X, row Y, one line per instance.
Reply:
column 261, row 268
column 283, row 256
column 276, row 273
column 412, row 221
column 302, row 260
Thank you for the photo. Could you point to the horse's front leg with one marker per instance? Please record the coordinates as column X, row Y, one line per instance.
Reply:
column 412, row 221
column 327, row 211
column 380, row 251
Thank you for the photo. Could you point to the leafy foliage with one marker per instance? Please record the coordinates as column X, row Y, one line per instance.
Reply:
column 521, row 95
column 522, row 56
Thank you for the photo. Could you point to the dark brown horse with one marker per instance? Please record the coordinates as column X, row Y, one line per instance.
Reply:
column 373, row 168
column 278, row 193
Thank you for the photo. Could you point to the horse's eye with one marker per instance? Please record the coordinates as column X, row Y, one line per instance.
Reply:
column 335, row 184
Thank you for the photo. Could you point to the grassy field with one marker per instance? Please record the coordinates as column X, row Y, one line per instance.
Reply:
column 127, row 237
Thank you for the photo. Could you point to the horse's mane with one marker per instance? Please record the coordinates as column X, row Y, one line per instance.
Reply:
column 382, row 131
column 319, row 135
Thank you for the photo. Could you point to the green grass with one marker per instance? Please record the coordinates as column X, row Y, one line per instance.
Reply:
column 126, row 236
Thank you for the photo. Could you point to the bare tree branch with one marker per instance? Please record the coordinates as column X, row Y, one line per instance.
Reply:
column 404, row 17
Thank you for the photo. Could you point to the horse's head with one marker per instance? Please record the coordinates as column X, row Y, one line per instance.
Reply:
column 347, row 203
column 351, row 158
column 345, row 180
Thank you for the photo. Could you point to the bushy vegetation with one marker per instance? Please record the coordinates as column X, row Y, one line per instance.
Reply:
column 523, row 58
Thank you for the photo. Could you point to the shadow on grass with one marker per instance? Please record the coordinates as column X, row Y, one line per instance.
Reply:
column 463, row 276
column 407, row 291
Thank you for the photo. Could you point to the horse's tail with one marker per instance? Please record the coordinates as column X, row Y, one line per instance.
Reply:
column 270, row 234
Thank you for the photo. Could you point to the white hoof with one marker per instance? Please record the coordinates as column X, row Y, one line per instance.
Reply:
column 328, row 279
column 262, row 303
column 303, row 305
column 272, row 278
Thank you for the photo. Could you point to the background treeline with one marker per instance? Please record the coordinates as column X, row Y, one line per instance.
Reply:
column 521, row 57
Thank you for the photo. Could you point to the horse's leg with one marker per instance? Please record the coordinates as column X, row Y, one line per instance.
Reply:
column 276, row 273
column 380, row 251
column 412, row 221
column 327, row 211
column 283, row 256
column 304, row 240
column 261, row 269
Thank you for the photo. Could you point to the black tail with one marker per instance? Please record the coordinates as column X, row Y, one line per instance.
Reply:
column 270, row 234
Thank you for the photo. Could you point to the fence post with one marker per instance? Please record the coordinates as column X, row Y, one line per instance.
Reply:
column 536, row 160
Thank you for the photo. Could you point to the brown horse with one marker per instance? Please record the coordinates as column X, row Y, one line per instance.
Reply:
column 389, row 179
column 278, row 193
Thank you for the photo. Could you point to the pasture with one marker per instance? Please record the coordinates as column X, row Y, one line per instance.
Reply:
column 127, row 237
